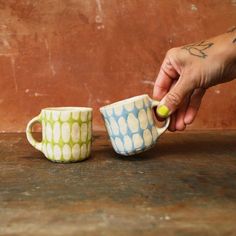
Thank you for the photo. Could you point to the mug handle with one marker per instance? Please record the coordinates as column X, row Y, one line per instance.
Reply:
column 30, row 138
column 161, row 130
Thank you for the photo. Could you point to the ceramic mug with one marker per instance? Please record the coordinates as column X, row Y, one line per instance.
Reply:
column 66, row 133
column 131, row 126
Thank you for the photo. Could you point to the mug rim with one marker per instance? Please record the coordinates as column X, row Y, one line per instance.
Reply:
column 123, row 102
column 70, row 109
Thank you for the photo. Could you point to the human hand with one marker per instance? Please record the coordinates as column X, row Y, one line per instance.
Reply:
column 188, row 71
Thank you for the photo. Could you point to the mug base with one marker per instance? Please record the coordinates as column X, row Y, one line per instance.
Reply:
column 67, row 162
column 135, row 152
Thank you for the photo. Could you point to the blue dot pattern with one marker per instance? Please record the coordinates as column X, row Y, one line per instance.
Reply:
column 134, row 140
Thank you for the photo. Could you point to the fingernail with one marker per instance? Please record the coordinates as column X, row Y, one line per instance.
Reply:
column 163, row 111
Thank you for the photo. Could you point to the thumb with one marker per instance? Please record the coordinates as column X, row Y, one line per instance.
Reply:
column 174, row 98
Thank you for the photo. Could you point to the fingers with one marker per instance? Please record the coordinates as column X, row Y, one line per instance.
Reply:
column 187, row 112
column 172, row 123
column 194, row 105
column 175, row 97
column 165, row 78
column 180, row 114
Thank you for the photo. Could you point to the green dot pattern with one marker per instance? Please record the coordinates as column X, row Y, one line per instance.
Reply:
column 66, row 135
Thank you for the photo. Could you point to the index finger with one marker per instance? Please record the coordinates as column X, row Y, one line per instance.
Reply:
column 167, row 75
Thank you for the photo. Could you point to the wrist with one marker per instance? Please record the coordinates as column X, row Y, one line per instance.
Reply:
column 226, row 50
column 231, row 51
column 231, row 43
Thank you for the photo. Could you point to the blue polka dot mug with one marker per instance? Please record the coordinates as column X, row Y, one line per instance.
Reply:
column 131, row 125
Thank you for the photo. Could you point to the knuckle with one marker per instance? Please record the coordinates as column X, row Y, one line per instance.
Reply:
column 171, row 51
column 173, row 98
column 195, row 82
column 190, row 78
column 174, row 55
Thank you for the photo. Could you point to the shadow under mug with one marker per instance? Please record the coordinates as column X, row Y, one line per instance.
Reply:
column 131, row 125
column 66, row 133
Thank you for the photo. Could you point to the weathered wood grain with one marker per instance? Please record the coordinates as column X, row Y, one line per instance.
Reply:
column 186, row 185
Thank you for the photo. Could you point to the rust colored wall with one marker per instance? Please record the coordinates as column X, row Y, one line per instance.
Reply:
column 93, row 52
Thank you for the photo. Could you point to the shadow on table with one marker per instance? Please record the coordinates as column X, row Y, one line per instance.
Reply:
column 187, row 146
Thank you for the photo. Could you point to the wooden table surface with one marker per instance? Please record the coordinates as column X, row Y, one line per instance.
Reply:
column 186, row 185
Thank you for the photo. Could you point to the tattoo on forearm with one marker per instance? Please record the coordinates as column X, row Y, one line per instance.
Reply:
column 231, row 29
column 198, row 49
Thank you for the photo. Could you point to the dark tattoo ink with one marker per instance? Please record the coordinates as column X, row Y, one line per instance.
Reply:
column 234, row 41
column 198, row 49
column 231, row 29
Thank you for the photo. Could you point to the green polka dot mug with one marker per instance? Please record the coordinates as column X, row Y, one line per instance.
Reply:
column 66, row 133
column 131, row 125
